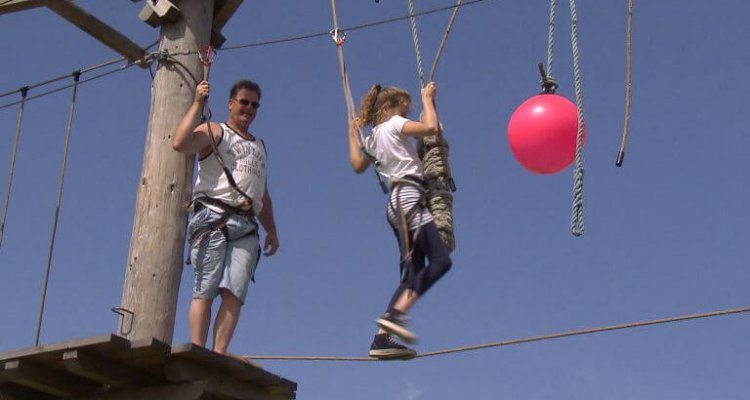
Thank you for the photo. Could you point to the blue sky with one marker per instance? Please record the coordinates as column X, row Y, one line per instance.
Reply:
column 666, row 234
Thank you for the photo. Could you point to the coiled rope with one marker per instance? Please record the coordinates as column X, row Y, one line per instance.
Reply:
column 502, row 343
column 628, row 84
column 24, row 91
column 433, row 150
column 60, row 183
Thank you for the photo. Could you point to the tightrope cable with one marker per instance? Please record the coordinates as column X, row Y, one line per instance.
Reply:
column 577, row 332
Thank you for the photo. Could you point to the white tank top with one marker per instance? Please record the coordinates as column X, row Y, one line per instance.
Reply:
column 246, row 159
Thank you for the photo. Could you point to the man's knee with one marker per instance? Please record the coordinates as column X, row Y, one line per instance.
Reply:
column 229, row 298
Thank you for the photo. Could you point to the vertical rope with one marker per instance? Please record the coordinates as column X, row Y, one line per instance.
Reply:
column 551, row 36
column 60, row 183
column 576, row 223
column 628, row 83
column 24, row 92
column 415, row 39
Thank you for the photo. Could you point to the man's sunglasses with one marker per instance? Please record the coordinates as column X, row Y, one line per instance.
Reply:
column 246, row 102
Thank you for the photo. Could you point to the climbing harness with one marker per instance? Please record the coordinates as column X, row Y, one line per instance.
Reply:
column 24, row 91
column 402, row 228
column 60, row 182
column 550, row 84
column 227, row 211
column 628, row 84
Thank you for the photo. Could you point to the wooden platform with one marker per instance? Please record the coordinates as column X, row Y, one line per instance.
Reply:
column 110, row 367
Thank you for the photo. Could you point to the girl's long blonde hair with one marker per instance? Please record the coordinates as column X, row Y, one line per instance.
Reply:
column 377, row 99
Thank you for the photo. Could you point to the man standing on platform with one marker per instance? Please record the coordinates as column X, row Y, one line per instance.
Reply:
column 230, row 193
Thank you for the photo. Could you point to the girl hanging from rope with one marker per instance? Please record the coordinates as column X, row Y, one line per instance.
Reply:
column 391, row 148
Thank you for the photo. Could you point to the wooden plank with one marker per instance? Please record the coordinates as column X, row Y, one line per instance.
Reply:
column 103, row 370
column 218, row 384
column 96, row 28
column 46, row 380
column 145, row 354
column 180, row 391
column 20, row 5
column 220, row 366
column 105, row 341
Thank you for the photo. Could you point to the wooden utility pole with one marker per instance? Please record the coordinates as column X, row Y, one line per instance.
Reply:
column 155, row 258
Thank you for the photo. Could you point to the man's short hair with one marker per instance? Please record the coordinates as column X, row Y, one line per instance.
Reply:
column 244, row 84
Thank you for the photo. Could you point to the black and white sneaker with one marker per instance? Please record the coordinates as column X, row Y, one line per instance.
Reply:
column 395, row 322
column 385, row 347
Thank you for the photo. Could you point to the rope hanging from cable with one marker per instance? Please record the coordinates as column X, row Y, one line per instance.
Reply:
column 628, row 85
column 339, row 38
column 60, row 184
column 433, row 150
column 24, row 91
column 550, row 84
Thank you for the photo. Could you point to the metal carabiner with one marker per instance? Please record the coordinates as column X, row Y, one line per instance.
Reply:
column 338, row 36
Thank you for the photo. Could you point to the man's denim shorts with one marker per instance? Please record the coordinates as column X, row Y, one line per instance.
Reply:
column 224, row 258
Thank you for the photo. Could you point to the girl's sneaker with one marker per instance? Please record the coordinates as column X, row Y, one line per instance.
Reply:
column 385, row 347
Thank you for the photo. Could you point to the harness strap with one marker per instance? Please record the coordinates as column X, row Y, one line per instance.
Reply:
column 220, row 224
column 402, row 229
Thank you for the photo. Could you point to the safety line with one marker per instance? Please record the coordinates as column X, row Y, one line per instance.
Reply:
column 237, row 47
column 441, row 47
column 60, row 183
column 351, row 28
column 577, row 332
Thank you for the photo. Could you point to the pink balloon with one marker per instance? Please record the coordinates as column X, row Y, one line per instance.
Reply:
column 542, row 133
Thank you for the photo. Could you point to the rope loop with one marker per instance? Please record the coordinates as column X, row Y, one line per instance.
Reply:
column 338, row 36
